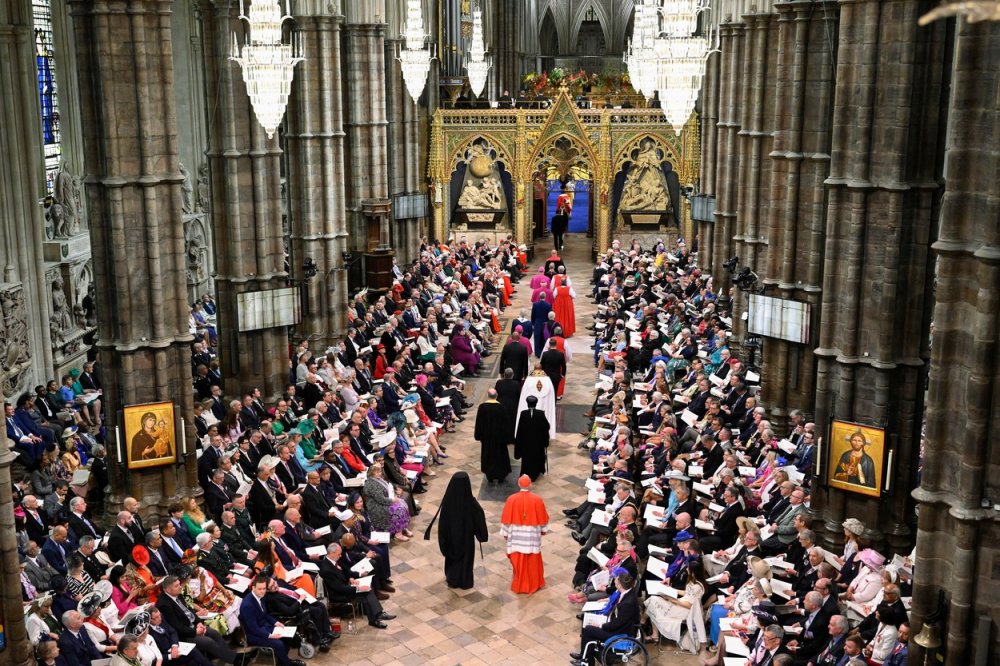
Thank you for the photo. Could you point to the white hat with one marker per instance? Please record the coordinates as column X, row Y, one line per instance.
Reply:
column 411, row 417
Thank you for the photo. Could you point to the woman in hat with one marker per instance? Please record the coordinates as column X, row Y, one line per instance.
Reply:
column 668, row 615
column 739, row 603
column 381, row 362
column 386, row 508
column 854, row 542
column 204, row 592
column 40, row 622
column 99, row 632
column 193, row 517
column 137, row 576
column 139, row 648
column 868, row 582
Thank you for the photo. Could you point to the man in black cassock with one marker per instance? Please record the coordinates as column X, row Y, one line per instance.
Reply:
column 532, row 441
column 515, row 357
column 494, row 432
column 509, row 395
column 463, row 522
column 553, row 364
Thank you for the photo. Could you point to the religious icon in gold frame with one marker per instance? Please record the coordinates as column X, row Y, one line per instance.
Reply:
column 856, row 459
column 150, row 435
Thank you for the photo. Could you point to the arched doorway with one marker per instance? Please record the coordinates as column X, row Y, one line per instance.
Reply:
column 563, row 167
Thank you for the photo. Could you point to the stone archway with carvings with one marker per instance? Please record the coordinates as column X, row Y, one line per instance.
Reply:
column 559, row 136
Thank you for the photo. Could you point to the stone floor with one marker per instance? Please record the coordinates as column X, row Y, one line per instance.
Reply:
column 490, row 624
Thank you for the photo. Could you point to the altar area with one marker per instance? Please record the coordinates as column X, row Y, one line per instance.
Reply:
column 487, row 166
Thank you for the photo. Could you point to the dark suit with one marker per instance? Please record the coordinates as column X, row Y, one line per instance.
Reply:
column 258, row 625
column 262, row 507
column 166, row 637
column 79, row 649
column 55, row 555
column 37, row 527
column 92, row 566
column 215, row 499
column 179, row 616
column 623, row 619
column 81, row 528
column 339, row 590
column 315, row 508
column 209, row 461
column 40, row 572
column 238, row 545
column 159, row 562
column 725, row 528
column 515, row 357
column 120, row 544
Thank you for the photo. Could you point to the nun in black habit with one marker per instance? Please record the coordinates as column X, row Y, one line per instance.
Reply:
column 532, row 440
column 463, row 522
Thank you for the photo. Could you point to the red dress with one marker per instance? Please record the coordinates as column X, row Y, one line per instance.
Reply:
column 562, row 305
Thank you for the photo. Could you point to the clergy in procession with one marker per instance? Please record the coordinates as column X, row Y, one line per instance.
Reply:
column 494, row 431
column 532, row 440
column 562, row 303
column 522, row 524
column 539, row 318
column 539, row 386
column 553, row 362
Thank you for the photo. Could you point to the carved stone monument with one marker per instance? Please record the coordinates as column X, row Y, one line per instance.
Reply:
column 481, row 203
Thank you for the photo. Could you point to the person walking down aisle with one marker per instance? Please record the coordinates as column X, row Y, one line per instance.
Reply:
column 494, row 431
column 532, row 441
column 562, row 303
column 539, row 317
column 463, row 522
column 523, row 523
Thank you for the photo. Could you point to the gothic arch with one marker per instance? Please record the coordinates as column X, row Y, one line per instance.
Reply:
column 624, row 13
column 496, row 143
column 548, row 24
column 602, row 18
column 586, row 152
column 662, row 142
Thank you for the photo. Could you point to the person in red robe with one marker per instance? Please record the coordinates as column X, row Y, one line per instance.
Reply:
column 562, row 305
column 522, row 524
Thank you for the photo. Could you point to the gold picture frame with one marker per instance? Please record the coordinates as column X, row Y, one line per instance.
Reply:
column 856, row 458
column 150, row 435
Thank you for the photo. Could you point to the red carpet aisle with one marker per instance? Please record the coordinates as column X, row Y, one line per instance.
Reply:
column 490, row 624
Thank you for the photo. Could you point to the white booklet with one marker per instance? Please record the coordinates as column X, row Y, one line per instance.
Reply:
column 594, row 620
column 316, row 550
column 597, row 557
column 362, row 582
column 378, row 537
column 363, row 567
column 657, row 567
column 286, row 631
column 737, row 647
column 185, row 648
column 659, row 589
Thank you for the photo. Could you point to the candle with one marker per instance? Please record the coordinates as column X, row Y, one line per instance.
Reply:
column 184, row 445
column 120, row 447
column 888, row 472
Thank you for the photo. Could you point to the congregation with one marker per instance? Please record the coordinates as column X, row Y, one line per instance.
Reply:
column 301, row 500
column 695, row 528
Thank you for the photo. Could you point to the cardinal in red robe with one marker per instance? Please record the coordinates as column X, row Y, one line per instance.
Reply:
column 522, row 525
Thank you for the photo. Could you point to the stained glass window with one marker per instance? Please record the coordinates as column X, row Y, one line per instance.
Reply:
column 48, row 91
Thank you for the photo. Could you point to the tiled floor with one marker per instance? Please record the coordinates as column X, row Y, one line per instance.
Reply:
column 490, row 624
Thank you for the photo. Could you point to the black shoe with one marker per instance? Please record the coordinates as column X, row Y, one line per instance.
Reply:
column 579, row 616
column 571, row 512
column 576, row 656
column 386, row 616
column 296, row 662
column 378, row 624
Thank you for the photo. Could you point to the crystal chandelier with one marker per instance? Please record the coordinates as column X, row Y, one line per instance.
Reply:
column 667, row 57
column 479, row 63
column 414, row 57
column 268, row 63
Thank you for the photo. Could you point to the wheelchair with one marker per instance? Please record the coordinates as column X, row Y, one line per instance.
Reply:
column 306, row 638
column 619, row 649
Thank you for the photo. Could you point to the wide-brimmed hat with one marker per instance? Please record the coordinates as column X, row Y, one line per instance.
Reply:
column 872, row 558
column 411, row 417
column 676, row 474
column 684, row 535
column 760, row 569
column 747, row 524
column 140, row 555
column 137, row 624
column 90, row 603
column 104, row 587
column 69, row 432
column 305, row 427
column 765, row 585
column 854, row 526
column 766, row 612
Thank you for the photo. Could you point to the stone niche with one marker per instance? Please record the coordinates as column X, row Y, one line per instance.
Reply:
column 70, row 286
column 15, row 347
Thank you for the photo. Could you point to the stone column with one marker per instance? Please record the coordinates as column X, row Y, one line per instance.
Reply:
column 800, row 163
column 25, row 297
column 315, row 144
column 730, row 74
column 957, row 546
column 19, row 648
column 245, row 176
column 709, row 152
column 884, row 190
column 133, row 186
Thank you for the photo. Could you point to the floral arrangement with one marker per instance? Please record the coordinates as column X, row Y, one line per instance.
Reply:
column 579, row 82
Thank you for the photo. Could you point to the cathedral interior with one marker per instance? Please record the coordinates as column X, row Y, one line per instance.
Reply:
column 842, row 156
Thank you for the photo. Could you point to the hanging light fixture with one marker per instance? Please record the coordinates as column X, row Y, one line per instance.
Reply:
column 414, row 56
column 478, row 64
column 268, row 63
column 669, row 57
